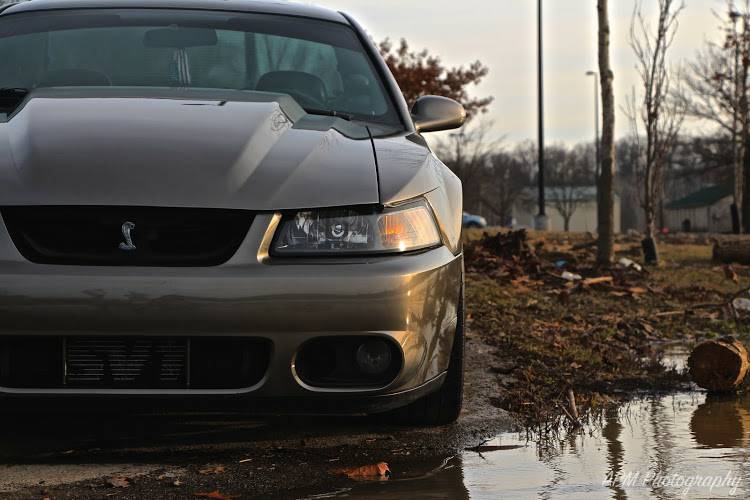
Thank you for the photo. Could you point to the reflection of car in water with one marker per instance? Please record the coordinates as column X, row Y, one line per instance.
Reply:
column 473, row 221
column 223, row 199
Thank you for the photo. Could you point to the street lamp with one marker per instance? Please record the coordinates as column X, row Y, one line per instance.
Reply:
column 542, row 221
column 597, row 141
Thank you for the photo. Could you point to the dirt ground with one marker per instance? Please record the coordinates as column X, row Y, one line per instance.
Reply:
column 48, row 455
column 565, row 325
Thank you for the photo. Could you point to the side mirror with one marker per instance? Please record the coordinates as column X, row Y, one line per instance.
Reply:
column 432, row 114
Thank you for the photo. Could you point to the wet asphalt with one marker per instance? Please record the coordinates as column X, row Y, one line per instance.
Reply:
column 50, row 451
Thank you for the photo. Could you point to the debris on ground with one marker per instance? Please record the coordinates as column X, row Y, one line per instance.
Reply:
column 568, row 324
column 379, row 470
column 212, row 470
column 719, row 365
column 118, row 482
column 215, row 495
column 626, row 263
column 483, row 447
column 732, row 251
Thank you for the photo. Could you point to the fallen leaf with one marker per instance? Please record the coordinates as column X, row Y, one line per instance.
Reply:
column 212, row 470
column 374, row 470
column 731, row 274
column 215, row 495
column 118, row 482
column 177, row 482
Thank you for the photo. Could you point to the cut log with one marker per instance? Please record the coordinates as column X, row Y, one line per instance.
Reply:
column 732, row 252
column 719, row 365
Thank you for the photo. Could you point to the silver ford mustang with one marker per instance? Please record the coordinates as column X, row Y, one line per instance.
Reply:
column 223, row 200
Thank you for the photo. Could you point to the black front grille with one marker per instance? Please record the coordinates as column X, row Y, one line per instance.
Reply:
column 133, row 362
column 96, row 236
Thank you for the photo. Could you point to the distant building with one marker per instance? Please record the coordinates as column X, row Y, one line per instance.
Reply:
column 707, row 210
column 580, row 201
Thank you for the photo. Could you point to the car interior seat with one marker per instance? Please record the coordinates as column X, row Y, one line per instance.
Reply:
column 298, row 84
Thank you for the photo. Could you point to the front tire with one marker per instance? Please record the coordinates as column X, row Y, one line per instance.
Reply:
column 443, row 406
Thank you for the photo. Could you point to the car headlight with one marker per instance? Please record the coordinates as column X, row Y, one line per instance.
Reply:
column 335, row 231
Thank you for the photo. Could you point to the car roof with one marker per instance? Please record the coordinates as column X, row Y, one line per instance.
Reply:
column 259, row 6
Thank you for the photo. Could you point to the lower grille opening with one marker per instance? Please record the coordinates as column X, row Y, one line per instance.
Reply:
column 350, row 361
column 30, row 362
column 125, row 363
column 228, row 363
column 133, row 362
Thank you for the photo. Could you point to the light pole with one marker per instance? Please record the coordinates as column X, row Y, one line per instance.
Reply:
column 542, row 221
column 735, row 209
column 597, row 141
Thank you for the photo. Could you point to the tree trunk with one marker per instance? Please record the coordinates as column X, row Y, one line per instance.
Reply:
column 744, row 153
column 650, row 249
column 719, row 365
column 566, row 222
column 732, row 252
column 745, row 199
column 605, row 182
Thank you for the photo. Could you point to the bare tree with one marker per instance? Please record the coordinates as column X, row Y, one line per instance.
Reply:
column 467, row 153
column 655, row 111
column 718, row 84
column 508, row 177
column 605, row 182
column 570, row 175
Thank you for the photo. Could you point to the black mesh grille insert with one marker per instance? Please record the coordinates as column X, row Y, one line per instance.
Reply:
column 97, row 236
column 133, row 362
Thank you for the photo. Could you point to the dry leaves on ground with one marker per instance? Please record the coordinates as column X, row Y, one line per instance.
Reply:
column 118, row 482
column 379, row 470
column 212, row 470
column 215, row 495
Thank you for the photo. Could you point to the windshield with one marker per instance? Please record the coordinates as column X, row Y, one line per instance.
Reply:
column 321, row 64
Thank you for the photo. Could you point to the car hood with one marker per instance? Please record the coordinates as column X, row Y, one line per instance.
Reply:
column 180, row 152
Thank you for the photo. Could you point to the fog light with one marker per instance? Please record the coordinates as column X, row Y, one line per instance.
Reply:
column 374, row 357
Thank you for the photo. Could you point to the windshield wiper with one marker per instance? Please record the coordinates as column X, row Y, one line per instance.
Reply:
column 329, row 112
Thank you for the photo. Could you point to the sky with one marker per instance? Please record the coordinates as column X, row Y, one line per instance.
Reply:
column 502, row 34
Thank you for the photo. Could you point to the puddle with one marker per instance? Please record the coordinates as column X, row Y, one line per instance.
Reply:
column 678, row 446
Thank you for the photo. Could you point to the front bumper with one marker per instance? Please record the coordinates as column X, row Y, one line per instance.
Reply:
column 411, row 298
